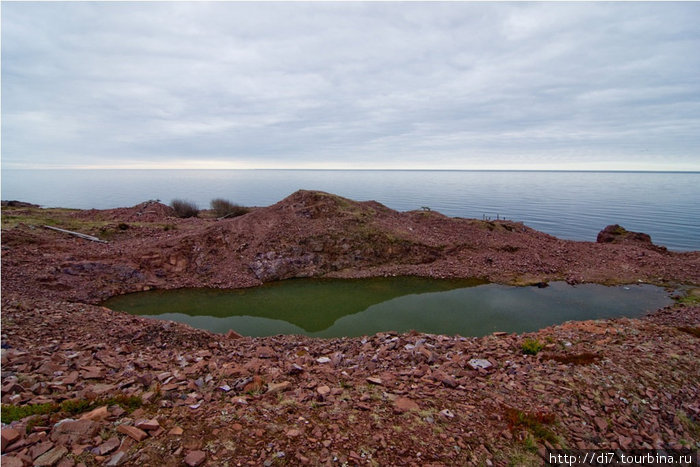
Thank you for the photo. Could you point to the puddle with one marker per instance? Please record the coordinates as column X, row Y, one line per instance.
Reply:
column 341, row 307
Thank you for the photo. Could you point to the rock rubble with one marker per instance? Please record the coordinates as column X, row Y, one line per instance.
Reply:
column 85, row 385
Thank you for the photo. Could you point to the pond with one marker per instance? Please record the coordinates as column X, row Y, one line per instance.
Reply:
column 342, row 307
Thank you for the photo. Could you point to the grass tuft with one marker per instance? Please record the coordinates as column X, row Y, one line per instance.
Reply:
column 531, row 346
column 534, row 422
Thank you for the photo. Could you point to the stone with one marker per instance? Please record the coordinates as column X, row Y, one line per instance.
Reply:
column 273, row 388
column 51, row 457
column 176, row 431
column 445, row 379
column 148, row 425
column 108, row 446
column 195, row 458
column 293, row 433
column 404, row 404
column 265, row 352
column 601, row 423
column 132, row 432
column 66, row 462
column 99, row 413
column 118, row 458
column 39, row 449
column 231, row 334
column 72, row 431
column 375, row 380
column 323, row 390
column 11, row 461
column 479, row 363
column 323, row 359
column 255, row 385
column 9, row 436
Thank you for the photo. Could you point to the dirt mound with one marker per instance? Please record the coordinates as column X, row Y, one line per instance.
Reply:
column 148, row 211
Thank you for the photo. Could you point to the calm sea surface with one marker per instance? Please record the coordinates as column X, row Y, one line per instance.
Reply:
column 570, row 205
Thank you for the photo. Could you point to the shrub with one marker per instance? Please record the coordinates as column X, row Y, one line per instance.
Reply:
column 225, row 208
column 184, row 208
column 532, row 346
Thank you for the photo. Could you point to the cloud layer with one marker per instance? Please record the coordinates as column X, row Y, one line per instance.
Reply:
column 355, row 85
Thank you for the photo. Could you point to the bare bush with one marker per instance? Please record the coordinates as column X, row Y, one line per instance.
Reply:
column 225, row 208
column 184, row 208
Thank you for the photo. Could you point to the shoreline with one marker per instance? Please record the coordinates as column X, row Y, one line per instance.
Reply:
column 620, row 383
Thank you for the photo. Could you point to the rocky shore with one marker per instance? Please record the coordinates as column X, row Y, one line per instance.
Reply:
column 87, row 385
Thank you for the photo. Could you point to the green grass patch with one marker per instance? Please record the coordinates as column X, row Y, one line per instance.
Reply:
column 531, row 346
column 11, row 413
column 689, row 300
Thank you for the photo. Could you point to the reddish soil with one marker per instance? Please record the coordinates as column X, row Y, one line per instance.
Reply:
column 275, row 401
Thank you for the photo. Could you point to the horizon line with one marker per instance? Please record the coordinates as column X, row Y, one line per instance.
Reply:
column 357, row 170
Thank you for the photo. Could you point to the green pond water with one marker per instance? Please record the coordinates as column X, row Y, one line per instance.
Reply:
column 340, row 307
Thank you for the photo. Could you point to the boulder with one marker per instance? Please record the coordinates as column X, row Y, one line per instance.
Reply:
column 618, row 234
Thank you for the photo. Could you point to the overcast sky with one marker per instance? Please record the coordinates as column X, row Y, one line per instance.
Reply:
column 351, row 85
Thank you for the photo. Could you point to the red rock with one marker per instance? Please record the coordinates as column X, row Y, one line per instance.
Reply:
column 375, row 380
column 39, row 449
column 132, row 432
column 273, row 388
column 66, row 462
column 256, row 385
column 293, row 433
column 323, row 390
column 195, row 458
column 11, row 461
column 148, row 425
column 231, row 334
column 52, row 457
column 601, row 423
column 265, row 352
column 176, row 431
column 12, row 388
column 445, row 379
column 108, row 446
column 99, row 413
column 73, row 431
column 404, row 404
column 9, row 436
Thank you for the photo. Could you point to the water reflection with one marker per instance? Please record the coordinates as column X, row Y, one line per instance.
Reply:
column 331, row 308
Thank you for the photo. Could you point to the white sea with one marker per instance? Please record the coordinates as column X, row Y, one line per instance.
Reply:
column 570, row 205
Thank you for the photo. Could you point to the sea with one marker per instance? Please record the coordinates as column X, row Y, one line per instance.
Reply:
column 569, row 205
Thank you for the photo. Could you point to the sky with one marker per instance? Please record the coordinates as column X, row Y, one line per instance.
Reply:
column 397, row 85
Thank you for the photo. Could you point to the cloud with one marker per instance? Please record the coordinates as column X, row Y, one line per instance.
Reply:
column 450, row 85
